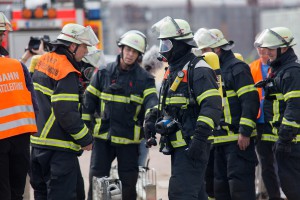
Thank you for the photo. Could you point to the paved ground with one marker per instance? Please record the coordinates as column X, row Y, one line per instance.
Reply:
column 158, row 161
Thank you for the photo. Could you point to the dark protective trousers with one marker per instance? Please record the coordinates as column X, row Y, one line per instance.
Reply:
column 289, row 172
column 14, row 166
column 127, row 156
column 187, row 176
column 234, row 172
column 209, row 174
column 268, row 163
column 55, row 175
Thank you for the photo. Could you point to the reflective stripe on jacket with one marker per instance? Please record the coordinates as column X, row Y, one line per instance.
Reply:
column 120, row 100
column 16, row 110
column 60, row 126
column 241, row 102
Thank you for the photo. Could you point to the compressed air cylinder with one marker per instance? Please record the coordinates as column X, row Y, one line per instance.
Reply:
column 239, row 56
column 33, row 62
column 212, row 59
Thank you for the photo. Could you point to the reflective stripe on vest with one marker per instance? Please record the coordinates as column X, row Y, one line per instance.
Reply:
column 55, row 143
column 179, row 142
column 16, row 111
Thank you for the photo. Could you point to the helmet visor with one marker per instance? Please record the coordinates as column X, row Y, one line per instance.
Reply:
column 95, row 58
column 165, row 46
column 87, row 36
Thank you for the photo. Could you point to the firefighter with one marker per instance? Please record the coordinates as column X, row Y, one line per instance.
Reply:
column 120, row 94
column 189, row 109
column 265, row 139
column 235, row 157
column 18, row 108
column 62, row 135
column 282, row 101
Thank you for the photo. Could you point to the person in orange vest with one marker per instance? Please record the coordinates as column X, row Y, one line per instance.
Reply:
column 265, row 138
column 62, row 134
column 18, row 109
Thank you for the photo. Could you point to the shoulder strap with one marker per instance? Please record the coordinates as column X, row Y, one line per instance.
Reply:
column 295, row 64
column 191, row 67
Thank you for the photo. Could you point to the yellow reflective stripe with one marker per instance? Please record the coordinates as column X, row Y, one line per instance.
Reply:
column 230, row 93
column 269, row 137
column 115, row 98
column 246, row 89
column 228, row 138
column 177, row 100
column 292, row 94
column 103, row 136
column 279, row 96
column 276, row 114
column 86, row 117
column 55, row 143
column 93, row 91
column 207, row 120
column 290, row 123
column 136, row 99
column 64, row 97
column 297, row 139
column 42, row 89
column 48, row 125
column 149, row 91
column 179, row 142
column 121, row 140
column 137, row 111
column 227, row 113
column 84, row 131
column 97, row 126
column 247, row 122
column 207, row 93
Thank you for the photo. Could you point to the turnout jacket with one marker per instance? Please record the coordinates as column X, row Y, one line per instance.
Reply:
column 241, row 100
column 199, row 85
column 60, row 127
column 282, row 98
column 119, row 101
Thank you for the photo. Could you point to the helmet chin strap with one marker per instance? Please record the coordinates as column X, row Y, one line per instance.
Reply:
column 278, row 53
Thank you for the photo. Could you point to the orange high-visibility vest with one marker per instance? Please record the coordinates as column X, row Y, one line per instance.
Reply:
column 51, row 64
column 255, row 68
column 16, row 109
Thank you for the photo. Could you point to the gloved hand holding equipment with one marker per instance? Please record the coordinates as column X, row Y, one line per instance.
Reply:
column 197, row 149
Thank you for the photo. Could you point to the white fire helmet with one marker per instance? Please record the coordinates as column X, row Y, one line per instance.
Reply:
column 5, row 25
column 277, row 37
column 211, row 38
column 78, row 34
column 134, row 39
column 168, row 27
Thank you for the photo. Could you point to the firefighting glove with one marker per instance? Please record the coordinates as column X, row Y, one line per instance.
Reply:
column 149, row 128
column 283, row 146
column 197, row 149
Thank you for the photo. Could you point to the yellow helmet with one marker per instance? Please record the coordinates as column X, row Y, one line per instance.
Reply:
column 5, row 25
column 134, row 39
column 168, row 27
column 277, row 37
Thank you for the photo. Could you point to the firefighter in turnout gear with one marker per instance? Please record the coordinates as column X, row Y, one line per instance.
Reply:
column 282, row 104
column 189, row 109
column 235, row 157
column 18, row 110
column 62, row 134
column 119, row 96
